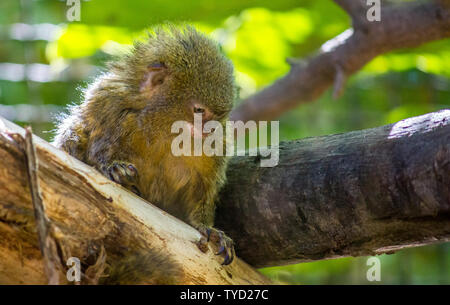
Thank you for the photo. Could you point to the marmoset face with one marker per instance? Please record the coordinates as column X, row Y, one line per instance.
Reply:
column 175, row 75
column 177, row 91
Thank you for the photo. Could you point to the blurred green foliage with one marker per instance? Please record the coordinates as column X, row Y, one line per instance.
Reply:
column 258, row 36
column 424, row 266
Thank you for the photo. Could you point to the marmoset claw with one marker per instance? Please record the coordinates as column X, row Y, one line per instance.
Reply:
column 226, row 245
column 125, row 174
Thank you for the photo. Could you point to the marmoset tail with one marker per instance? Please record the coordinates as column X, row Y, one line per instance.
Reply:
column 123, row 127
column 149, row 267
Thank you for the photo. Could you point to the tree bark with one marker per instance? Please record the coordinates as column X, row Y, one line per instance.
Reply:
column 89, row 217
column 359, row 193
column 401, row 26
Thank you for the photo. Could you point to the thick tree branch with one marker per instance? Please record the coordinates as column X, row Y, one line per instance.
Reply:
column 358, row 193
column 402, row 26
column 94, row 220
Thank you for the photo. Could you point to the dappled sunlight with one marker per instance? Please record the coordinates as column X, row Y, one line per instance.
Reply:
column 420, row 123
column 336, row 41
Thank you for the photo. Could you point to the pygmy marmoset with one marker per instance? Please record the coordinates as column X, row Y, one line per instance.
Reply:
column 123, row 126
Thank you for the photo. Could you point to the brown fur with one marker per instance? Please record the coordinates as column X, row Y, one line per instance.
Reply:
column 127, row 115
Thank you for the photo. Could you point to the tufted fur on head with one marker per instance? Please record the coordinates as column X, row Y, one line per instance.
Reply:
column 193, row 62
column 158, row 81
column 128, row 112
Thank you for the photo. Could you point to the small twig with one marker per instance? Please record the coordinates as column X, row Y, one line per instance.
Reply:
column 293, row 61
column 339, row 82
column 46, row 242
column 96, row 271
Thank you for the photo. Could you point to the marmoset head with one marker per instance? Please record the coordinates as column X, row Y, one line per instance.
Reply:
column 174, row 74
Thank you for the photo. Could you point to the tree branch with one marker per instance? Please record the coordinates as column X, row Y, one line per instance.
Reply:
column 96, row 220
column 358, row 193
column 403, row 26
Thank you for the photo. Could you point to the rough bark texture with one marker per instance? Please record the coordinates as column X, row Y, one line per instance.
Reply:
column 359, row 193
column 402, row 26
column 91, row 217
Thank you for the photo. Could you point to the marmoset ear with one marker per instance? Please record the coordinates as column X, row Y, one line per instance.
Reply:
column 154, row 77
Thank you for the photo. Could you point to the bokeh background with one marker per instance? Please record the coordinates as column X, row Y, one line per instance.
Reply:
column 46, row 61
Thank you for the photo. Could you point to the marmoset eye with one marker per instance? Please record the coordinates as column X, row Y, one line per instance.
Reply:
column 199, row 110
column 158, row 79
